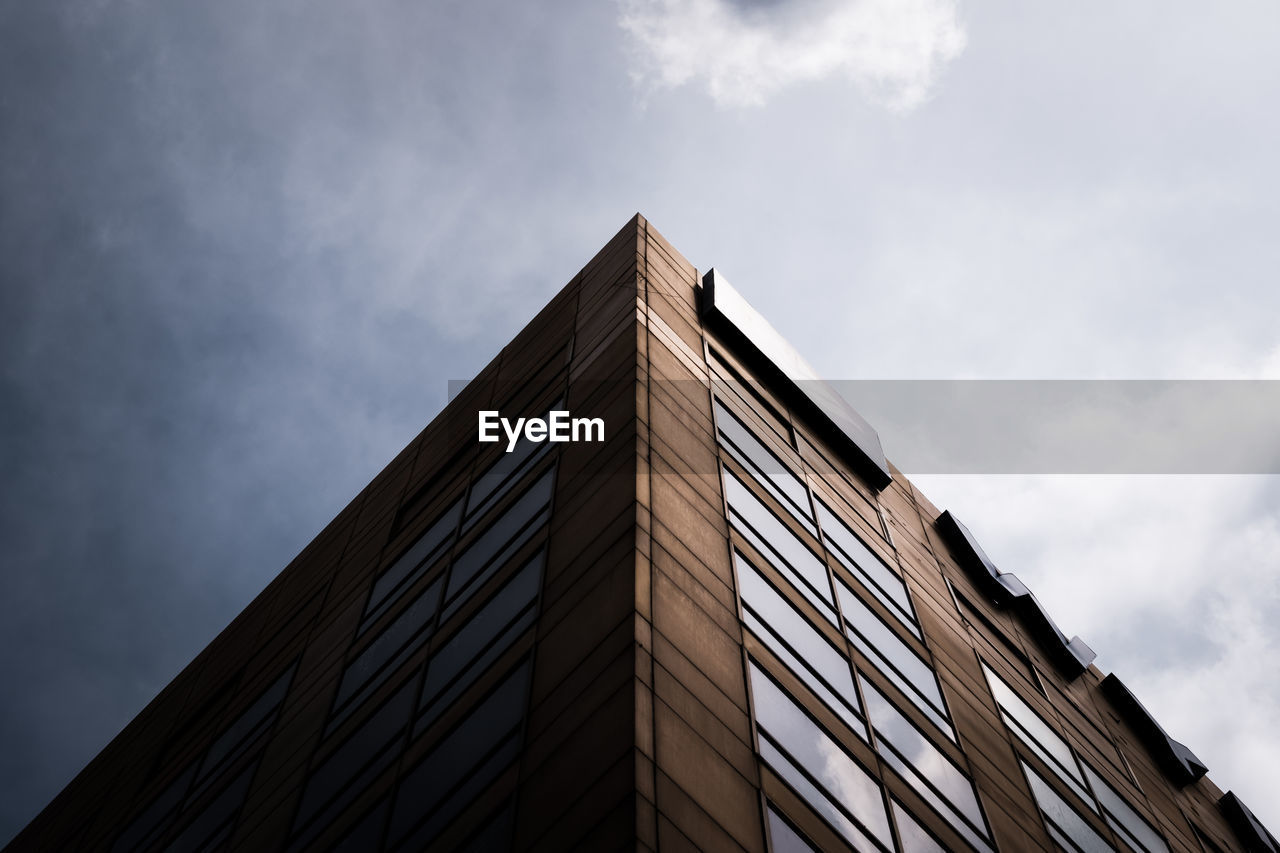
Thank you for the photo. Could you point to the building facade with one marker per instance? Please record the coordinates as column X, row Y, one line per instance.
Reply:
column 729, row 624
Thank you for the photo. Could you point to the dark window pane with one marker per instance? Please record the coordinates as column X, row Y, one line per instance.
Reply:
column 1121, row 817
column 775, row 541
column 496, row 833
column 772, row 473
column 366, row 834
column 402, row 573
column 252, row 722
column 501, row 539
column 459, row 652
column 1069, row 829
column 490, row 724
column 883, row 581
column 365, row 754
column 894, row 658
column 798, row 644
column 447, row 808
column 925, row 767
column 1036, row 734
column 157, row 815
column 807, row 745
column 216, row 817
column 785, row 839
column 390, row 648
column 490, row 486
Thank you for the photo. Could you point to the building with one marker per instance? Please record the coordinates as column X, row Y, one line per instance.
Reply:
column 727, row 624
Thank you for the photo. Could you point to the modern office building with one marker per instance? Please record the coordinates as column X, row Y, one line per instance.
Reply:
column 727, row 623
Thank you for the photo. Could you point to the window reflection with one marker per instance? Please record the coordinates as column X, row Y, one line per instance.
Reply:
column 1121, row 817
column 912, row 836
column 771, row 472
column 818, row 768
column 862, row 562
column 1065, row 825
column 798, row 644
column 783, row 838
column 1058, row 756
column 1036, row 734
column 775, row 541
column 894, row 658
column 925, row 767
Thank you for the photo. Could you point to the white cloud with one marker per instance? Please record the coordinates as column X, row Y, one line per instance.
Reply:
column 1174, row 582
column 892, row 50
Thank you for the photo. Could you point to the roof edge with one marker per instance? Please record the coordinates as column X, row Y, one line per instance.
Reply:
column 1247, row 828
column 1176, row 759
column 760, row 345
column 1071, row 657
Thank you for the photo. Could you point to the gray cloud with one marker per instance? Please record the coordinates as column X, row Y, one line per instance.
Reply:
column 1174, row 581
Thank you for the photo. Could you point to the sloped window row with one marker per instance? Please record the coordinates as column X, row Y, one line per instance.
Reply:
column 1074, row 772
column 186, row 798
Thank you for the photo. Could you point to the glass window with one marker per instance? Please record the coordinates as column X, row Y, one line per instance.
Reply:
column 213, row 824
column 862, row 562
column 453, row 802
column 453, row 467
column 894, row 658
column 236, row 740
column 240, row 735
column 928, row 770
column 485, row 636
column 486, row 554
column 911, row 835
column 783, row 837
column 489, row 487
column 463, row 763
column 775, row 541
column 1121, row 817
column 1036, row 734
column 401, row 574
column 495, row 834
column 798, row 644
column 1065, row 825
column 853, row 499
column 366, row 834
column 158, row 814
column 772, row 473
column 384, row 655
column 351, row 767
column 726, row 376
column 819, row 769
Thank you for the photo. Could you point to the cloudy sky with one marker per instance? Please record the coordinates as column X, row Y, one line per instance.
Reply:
column 244, row 244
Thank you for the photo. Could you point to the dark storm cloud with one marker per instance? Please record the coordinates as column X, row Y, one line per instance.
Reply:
column 212, row 336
